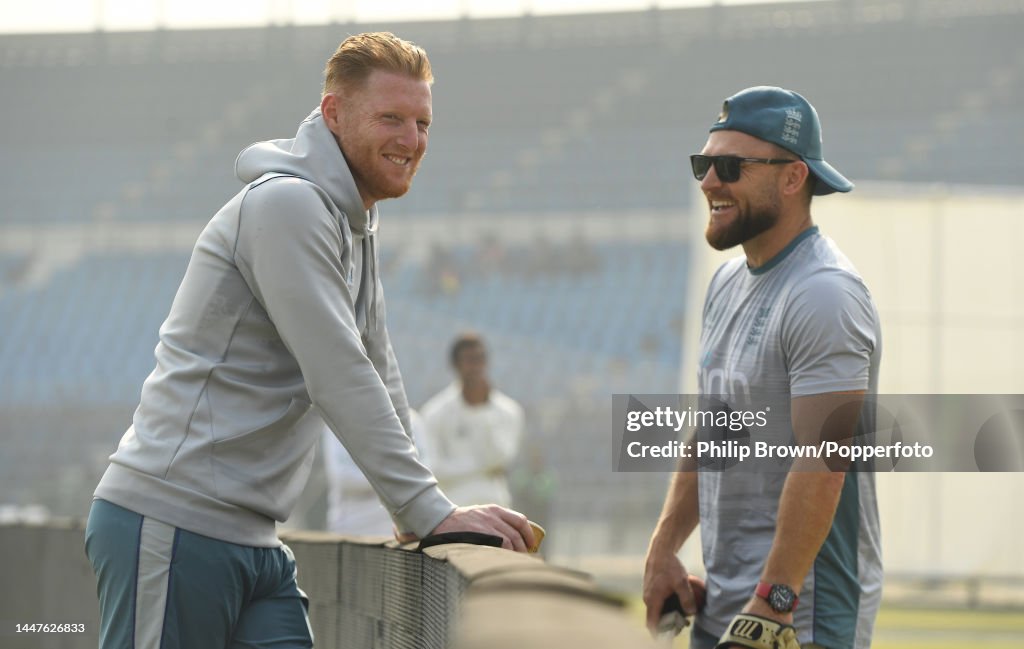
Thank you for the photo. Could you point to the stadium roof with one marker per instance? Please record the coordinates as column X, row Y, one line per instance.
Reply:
column 128, row 15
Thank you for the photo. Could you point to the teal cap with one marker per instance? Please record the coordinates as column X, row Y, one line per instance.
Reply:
column 785, row 118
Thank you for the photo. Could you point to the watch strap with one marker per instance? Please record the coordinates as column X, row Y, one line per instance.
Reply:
column 764, row 591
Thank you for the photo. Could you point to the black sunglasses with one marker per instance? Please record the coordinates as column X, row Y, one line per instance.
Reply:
column 727, row 167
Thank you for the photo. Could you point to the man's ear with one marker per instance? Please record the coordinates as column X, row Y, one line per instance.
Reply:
column 794, row 177
column 329, row 109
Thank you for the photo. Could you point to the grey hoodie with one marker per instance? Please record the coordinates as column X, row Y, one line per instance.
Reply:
column 280, row 309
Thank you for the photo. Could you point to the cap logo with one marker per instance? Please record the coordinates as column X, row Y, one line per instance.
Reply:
column 724, row 115
column 791, row 128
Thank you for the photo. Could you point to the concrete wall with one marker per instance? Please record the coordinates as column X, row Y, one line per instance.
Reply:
column 46, row 579
column 361, row 595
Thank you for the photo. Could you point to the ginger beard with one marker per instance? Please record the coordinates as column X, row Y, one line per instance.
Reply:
column 737, row 222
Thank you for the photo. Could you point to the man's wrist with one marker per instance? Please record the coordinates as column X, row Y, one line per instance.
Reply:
column 758, row 606
column 781, row 597
column 662, row 547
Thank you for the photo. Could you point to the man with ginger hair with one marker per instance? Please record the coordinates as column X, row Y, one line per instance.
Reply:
column 280, row 313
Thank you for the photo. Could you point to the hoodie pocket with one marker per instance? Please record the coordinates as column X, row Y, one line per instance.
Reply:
column 265, row 470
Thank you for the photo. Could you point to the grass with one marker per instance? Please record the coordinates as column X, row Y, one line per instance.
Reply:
column 903, row 628
column 948, row 629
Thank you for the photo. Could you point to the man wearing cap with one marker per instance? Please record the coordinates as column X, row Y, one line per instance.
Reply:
column 792, row 553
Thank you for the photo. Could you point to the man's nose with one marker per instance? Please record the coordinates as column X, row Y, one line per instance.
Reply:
column 710, row 180
column 408, row 135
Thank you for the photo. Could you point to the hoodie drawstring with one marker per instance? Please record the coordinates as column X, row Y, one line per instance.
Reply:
column 366, row 297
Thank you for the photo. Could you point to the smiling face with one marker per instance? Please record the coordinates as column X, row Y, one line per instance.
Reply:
column 382, row 129
column 741, row 210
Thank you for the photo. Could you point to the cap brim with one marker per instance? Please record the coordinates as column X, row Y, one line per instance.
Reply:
column 829, row 180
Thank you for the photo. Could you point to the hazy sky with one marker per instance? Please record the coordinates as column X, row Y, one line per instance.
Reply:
column 85, row 15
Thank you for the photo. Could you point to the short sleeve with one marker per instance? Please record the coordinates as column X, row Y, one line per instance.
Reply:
column 829, row 333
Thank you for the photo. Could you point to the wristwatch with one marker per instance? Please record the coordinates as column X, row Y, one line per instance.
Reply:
column 780, row 597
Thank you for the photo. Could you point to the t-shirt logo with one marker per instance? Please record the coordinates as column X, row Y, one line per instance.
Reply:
column 758, row 327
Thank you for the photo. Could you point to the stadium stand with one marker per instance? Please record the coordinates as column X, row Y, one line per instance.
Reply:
column 88, row 334
column 588, row 116
column 533, row 114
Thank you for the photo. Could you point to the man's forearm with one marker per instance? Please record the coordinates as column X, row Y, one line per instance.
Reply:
column 679, row 515
column 811, row 493
column 664, row 573
column 806, row 509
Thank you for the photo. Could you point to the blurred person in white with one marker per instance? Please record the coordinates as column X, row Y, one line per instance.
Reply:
column 280, row 313
column 353, row 507
column 473, row 430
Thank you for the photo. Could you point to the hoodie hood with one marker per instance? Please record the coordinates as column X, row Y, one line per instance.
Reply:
column 313, row 155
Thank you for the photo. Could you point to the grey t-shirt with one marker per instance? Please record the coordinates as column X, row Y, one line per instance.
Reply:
column 801, row 324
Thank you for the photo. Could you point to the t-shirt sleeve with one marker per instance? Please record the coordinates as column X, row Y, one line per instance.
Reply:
column 829, row 333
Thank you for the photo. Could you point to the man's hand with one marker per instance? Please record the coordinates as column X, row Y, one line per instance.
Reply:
column 665, row 574
column 511, row 526
column 404, row 537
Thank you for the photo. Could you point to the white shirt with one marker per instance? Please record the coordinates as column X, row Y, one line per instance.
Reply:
column 352, row 505
column 472, row 446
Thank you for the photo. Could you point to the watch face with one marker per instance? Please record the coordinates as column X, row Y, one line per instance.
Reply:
column 781, row 598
